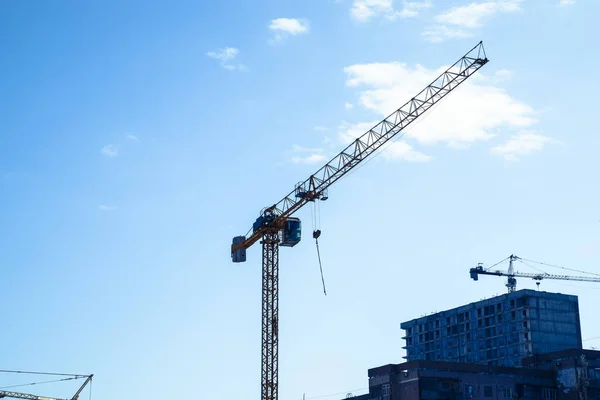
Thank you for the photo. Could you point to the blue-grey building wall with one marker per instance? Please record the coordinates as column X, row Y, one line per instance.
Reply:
column 497, row 331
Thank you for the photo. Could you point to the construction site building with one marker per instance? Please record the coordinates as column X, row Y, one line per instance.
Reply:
column 567, row 375
column 499, row 331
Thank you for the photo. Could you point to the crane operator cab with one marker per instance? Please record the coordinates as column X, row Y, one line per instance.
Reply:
column 292, row 232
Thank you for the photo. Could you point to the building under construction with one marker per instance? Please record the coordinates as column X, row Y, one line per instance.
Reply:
column 500, row 331
column 522, row 345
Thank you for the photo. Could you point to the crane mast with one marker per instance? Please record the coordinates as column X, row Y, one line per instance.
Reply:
column 276, row 227
column 511, row 282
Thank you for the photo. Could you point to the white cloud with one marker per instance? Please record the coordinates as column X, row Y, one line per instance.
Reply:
column 110, row 150
column 411, row 8
column 133, row 137
column 235, row 67
column 459, row 22
column 225, row 56
column 364, row 10
column 309, row 159
column 503, row 75
column 281, row 28
column 347, row 132
column 439, row 33
column 300, row 149
column 564, row 3
column 521, row 144
column 475, row 113
column 348, row 106
column 307, row 155
column 472, row 15
column 478, row 110
column 104, row 207
column 399, row 150
column 290, row 25
column 404, row 151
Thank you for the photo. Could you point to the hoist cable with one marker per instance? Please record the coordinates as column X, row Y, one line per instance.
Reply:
column 320, row 266
column 557, row 266
column 537, row 269
column 317, row 215
column 40, row 373
column 499, row 262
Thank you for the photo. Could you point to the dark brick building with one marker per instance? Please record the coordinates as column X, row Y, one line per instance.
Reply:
column 565, row 375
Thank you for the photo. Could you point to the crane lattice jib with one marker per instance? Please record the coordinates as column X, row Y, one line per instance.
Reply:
column 539, row 277
column 16, row 395
column 316, row 185
column 27, row 396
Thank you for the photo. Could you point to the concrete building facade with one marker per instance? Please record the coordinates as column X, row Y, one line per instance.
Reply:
column 499, row 331
column 567, row 375
column 577, row 372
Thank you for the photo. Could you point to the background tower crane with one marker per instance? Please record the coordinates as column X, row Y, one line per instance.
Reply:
column 27, row 396
column 512, row 275
column 276, row 227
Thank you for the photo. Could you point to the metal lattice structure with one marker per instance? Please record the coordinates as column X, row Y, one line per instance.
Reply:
column 512, row 275
column 17, row 395
column 314, row 188
column 270, row 311
column 535, row 277
column 511, row 281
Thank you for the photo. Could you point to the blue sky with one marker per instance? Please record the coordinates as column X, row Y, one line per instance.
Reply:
column 137, row 138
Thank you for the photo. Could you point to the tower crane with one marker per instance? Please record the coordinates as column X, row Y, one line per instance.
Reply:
column 512, row 275
column 26, row 396
column 17, row 395
column 276, row 227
